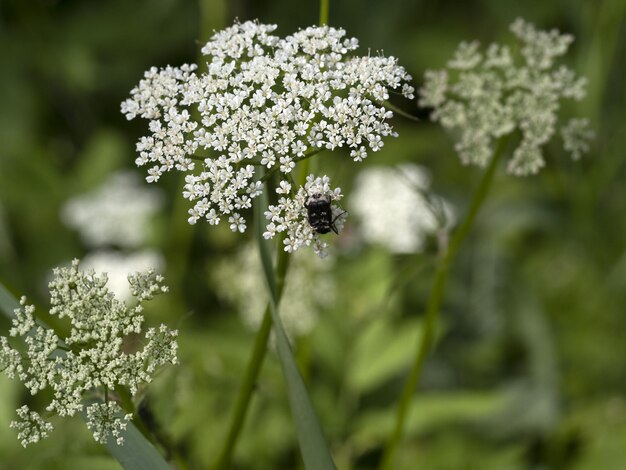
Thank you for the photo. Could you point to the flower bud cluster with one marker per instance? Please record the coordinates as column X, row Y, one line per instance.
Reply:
column 94, row 356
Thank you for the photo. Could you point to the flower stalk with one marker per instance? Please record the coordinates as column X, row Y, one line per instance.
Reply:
column 324, row 10
column 253, row 368
column 427, row 338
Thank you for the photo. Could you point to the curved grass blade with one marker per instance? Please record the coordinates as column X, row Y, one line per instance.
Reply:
column 8, row 302
column 313, row 446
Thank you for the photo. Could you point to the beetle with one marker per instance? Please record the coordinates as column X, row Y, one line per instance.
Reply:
column 320, row 213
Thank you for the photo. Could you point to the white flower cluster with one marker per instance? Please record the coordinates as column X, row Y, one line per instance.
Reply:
column 117, row 213
column 265, row 102
column 309, row 288
column 93, row 357
column 291, row 217
column 395, row 209
column 488, row 95
column 107, row 419
column 31, row 427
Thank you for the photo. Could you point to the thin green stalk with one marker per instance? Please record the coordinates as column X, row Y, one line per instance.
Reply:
column 245, row 391
column 400, row 112
column 252, row 370
column 213, row 16
column 434, row 305
column 324, row 9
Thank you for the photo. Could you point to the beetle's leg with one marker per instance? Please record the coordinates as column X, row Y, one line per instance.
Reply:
column 332, row 224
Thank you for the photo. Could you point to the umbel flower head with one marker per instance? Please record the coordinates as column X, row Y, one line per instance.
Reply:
column 93, row 359
column 264, row 102
column 486, row 95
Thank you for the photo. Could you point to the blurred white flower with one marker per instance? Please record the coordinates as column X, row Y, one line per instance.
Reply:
column 309, row 288
column 116, row 213
column 265, row 101
column 117, row 266
column 395, row 210
column 484, row 96
column 576, row 135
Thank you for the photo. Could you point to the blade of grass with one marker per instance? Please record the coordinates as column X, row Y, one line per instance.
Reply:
column 137, row 453
column 8, row 302
column 313, row 446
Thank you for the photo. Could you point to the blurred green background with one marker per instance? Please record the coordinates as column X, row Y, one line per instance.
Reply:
column 530, row 371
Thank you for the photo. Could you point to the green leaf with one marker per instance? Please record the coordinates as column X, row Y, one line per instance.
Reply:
column 313, row 446
column 136, row 453
column 315, row 452
column 381, row 352
column 428, row 411
column 104, row 153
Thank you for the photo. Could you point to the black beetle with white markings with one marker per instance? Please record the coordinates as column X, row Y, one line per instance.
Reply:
column 320, row 213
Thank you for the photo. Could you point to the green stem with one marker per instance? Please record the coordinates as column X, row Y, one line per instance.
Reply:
column 252, row 370
column 434, row 305
column 400, row 112
column 324, row 9
column 245, row 391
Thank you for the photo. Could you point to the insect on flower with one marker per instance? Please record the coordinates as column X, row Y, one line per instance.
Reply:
column 320, row 213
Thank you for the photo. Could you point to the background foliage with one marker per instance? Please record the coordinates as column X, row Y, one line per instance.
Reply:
column 529, row 371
